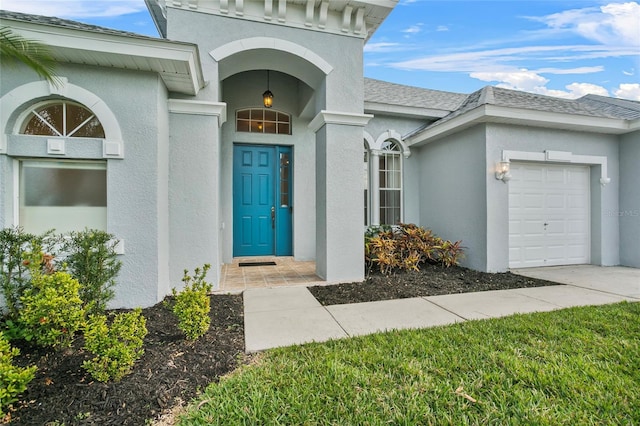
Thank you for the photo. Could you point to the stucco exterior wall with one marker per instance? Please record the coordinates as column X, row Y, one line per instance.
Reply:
column 452, row 192
column 604, row 227
column 629, row 211
column 337, row 88
column 135, row 189
column 193, row 195
column 344, row 84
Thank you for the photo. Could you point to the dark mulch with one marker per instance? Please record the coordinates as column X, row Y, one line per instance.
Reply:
column 173, row 370
column 431, row 280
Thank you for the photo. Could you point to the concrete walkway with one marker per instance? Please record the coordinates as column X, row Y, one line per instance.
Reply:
column 284, row 316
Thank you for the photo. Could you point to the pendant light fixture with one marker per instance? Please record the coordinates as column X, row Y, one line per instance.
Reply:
column 267, row 97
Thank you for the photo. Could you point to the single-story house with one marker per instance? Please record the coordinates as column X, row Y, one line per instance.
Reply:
column 241, row 132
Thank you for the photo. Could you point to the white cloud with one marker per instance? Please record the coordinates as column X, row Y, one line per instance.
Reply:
column 577, row 90
column 501, row 59
column 632, row 72
column 381, row 47
column 414, row 29
column 578, row 70
column 628, row 91
column 611, row 24
column 74, row 9
column 442, row 28
column 531, row 81
column 524, row 80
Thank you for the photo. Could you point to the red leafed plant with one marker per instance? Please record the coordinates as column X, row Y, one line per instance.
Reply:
column 406, row 247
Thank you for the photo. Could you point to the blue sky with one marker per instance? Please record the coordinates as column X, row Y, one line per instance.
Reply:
column 557, row 48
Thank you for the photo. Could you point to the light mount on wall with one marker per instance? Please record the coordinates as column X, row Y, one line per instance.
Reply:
column 502, row 171
column 267, row 97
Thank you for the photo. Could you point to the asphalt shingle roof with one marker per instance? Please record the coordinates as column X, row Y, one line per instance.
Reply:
column 621, row 108
column 590, row 105
column 397, row 94
column 65, row 23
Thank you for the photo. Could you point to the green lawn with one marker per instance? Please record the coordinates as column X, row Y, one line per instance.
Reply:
column 576, row 366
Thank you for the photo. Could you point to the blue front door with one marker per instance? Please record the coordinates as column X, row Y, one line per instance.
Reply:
column 262, row 182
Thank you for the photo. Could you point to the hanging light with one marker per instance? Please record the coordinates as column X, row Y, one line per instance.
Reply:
column 267, row 97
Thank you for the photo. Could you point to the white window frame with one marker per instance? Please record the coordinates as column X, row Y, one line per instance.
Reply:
column 80, row 164
column 395, row 152
column 263, row 120
column 367, row 186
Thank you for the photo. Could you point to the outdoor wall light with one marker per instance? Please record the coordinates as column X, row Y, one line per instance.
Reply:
column 267, row 97
column 502, row 171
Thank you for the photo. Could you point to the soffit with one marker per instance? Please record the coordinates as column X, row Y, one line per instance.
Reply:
column 178, row 64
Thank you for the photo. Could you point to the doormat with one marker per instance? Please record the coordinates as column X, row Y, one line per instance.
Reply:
column 270, row 263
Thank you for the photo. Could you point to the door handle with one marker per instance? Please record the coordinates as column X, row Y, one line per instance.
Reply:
column 273, row 217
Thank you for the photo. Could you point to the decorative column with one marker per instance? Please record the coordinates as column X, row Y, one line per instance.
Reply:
column 339, row 233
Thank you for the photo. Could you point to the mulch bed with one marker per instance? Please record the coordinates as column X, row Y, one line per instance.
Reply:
column 173, row 370
column 431, row 280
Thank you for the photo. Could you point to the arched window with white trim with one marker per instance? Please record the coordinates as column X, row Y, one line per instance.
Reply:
column 58, row 193
column 62, row 119
column 390, row 183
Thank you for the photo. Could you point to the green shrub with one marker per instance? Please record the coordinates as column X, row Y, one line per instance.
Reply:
column 51, row 309
column 116, row 347
column 15, row 244
column 92, row 260
column 192, row 304
column 406, row 247
column 13, row 380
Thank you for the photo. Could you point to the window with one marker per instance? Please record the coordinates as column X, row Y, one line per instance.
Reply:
column 262, row 120
column 66, row 119
column 284, row 180
column 390, row 181
column 64, row 195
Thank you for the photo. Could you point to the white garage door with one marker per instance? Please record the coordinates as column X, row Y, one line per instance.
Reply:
column 548, row 215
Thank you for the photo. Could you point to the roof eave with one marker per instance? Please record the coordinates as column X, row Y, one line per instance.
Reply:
column 523, row 117
column 404, row 110
column 155, row 55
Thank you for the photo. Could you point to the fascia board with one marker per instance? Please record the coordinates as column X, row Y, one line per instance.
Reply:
column 526, row 117
column 403, row 110
column 634, row 125
column 162, row 50
column 460, row 122
column 542, row 118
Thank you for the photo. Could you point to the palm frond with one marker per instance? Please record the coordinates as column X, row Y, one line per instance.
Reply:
column 15, row 49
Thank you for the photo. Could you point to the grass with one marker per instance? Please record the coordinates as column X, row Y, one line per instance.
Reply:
column 574, row 366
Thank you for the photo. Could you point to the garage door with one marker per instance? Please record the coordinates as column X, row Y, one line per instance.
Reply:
column 549, row 220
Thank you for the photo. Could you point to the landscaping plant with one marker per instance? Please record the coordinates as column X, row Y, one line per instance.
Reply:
column 192, row 304
column 15, row 244
column 116, row 347
column 92, row 260
column 13, row 380
column 406, row 247
column 52, row 310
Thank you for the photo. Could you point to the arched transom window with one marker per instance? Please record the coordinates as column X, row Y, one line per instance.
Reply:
column 263, row 120
column 62, row 118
